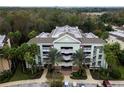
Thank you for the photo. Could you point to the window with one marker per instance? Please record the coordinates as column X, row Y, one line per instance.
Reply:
column 39, row 63
column 93, row 64
column 100, row 56
column 87, row 47
column 45, row 52
column 46, row 45
column 99, row 63
column 100, row 49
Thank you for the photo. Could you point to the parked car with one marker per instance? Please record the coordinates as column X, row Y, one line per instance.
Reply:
column 99, row 85
column 66, row 84
column 106, row 83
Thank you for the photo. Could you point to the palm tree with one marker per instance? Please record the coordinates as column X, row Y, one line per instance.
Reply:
column 110, row 56
column 79, row 59
column 30, row 60
column 54, row 57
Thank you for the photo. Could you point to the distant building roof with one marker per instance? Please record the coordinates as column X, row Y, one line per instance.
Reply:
column 2, row 38
column 120, row 28
column 117, row 28
column 117, row 33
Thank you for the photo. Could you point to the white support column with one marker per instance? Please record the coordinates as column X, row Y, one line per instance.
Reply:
column 97, row 55
column 41, row 53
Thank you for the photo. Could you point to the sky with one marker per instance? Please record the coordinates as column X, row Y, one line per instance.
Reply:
column 62, row 3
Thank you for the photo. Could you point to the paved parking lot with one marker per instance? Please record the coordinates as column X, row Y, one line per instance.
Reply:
column 117, row 85
column 69, row 85
column 32, row 85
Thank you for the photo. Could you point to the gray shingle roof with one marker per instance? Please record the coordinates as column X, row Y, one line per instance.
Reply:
column 118, row 37
column 120, row 28
column 75, row 33
column 50, row 40
column 40, row 40
column 93, row 40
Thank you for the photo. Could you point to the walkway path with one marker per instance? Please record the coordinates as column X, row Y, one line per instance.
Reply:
column 66, row 78
column 89, row 77
column 43, row 77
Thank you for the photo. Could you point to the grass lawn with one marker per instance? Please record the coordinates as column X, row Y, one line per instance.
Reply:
column 54, row 76
column 19, row 75
column 121, row 68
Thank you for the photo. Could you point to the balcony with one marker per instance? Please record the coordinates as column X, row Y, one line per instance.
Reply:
column 46, row 48
column 45, row 55
column 67, row 57
column 67, row 51
column 87, row 55
column 65, row 64
column 87, row 49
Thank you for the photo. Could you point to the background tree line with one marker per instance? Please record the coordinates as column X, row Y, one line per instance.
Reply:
column 21, row 24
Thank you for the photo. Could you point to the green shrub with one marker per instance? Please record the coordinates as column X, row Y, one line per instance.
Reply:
column 78, row 75
column 5, row 76
column 115, row 74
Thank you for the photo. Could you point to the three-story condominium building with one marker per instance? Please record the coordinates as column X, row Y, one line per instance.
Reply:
column 67, row 40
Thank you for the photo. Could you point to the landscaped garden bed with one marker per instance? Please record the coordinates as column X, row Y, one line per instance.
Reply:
column 79, row 75
column 104, row 74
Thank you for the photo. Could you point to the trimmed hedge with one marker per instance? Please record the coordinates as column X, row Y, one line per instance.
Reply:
column 115, row 74
column 104, row 74
column 5, row 76
column 78, row 75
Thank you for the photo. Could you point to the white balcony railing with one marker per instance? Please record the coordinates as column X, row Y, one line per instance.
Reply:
column 67, row 57
column 45, row 56
column 87, row 55
column 65, row 64
column 67, row 51
column 46, row 49
column 87, row 49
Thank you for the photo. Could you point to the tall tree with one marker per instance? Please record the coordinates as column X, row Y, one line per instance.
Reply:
column 30, row 60
column 21, row 50
column 54, row 57
column 79, row 59
column 121, row 57
column 32, row 34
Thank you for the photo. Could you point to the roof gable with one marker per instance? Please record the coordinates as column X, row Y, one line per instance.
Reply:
column 66, row 38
